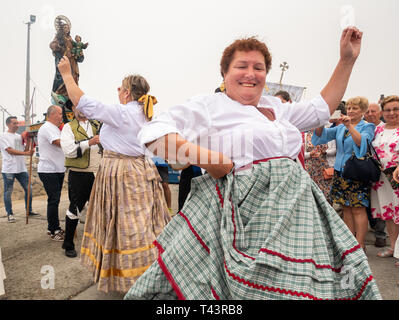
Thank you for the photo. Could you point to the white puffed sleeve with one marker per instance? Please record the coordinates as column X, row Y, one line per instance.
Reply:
column 308, row 115
column 68, row 145
column 112, row 115
column 190, row 120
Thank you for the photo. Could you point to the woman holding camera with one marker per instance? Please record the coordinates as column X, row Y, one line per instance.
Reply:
column 351, row 137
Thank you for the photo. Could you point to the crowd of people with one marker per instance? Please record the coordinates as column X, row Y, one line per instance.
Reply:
column 256, row 225
column 363, row 203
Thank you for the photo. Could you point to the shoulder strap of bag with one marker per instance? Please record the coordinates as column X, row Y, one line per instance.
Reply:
column 371, row 150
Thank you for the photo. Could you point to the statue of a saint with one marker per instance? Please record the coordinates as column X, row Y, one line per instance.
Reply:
column 64, row 45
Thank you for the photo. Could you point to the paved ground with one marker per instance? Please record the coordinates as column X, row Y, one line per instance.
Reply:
column 31, row 260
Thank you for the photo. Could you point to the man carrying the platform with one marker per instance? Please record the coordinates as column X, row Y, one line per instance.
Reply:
column 51, row 169
column 13, row 165
column 79, row 142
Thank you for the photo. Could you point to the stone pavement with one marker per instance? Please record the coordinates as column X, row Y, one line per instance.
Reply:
column 37, row 269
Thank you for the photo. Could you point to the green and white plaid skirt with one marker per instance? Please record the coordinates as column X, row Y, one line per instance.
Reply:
column 264, row 233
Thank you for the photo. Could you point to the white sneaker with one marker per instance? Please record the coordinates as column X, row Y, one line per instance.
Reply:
column 11, row 218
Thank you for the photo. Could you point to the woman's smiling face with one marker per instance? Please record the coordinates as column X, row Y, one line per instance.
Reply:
column 246, row 77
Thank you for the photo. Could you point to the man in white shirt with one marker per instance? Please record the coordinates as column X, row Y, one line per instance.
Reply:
column 79, row 142
column 373, row 115
column 51, row 168
column 13, row 165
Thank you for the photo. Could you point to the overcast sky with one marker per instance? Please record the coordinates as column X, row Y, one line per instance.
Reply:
column 177, row 45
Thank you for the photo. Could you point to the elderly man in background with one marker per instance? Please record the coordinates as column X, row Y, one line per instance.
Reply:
column 13, row 165
column 79, row 142
column 373, row 115
column 51, row 168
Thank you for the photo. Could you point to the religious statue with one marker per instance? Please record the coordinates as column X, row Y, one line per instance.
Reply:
column 64, row 45
column 77, row 50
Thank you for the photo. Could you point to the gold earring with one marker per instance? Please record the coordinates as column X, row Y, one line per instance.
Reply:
column 222, row 87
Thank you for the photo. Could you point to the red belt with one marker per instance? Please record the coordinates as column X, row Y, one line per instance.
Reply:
column 267, row 159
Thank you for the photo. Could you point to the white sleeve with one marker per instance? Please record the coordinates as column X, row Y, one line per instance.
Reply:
column 4, row 143
column 112, row 115
column 52, row 134
column 308, row 115
column 190, row 120
column 68, row 145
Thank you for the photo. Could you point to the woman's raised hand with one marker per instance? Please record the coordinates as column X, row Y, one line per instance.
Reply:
column 64, row 66
column 346, row 121
column 350, row 44
column 74, row 92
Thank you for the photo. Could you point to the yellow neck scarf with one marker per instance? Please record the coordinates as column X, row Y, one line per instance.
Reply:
column 148, row 105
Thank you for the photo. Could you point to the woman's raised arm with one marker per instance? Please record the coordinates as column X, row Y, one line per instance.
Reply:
column 74, row 92
column 350, row 45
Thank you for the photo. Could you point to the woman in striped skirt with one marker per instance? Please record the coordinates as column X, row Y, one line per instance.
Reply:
column 127, row 209
column 256, row 226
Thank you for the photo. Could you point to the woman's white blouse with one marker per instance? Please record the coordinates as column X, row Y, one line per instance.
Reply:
column 121, row 124
column 239, row 131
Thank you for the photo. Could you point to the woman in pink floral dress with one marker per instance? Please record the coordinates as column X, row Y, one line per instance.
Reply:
column 384, row 195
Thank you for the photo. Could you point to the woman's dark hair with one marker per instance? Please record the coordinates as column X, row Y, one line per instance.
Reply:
column 8, row 120
column 342, row 107
column 283, row 94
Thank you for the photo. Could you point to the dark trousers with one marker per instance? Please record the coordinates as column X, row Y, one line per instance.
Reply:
column 52, row 183
column 79, row 190
column 185, row 184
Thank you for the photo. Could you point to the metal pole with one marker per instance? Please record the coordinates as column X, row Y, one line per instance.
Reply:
column 31, row 103
column 32, row 20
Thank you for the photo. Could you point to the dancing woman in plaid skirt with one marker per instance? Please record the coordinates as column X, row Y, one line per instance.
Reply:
column 256, row 226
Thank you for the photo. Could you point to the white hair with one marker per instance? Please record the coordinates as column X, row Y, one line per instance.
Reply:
column 377, row 104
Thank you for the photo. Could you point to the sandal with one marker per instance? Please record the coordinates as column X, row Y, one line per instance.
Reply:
column 397, row 264
column 386, row 253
